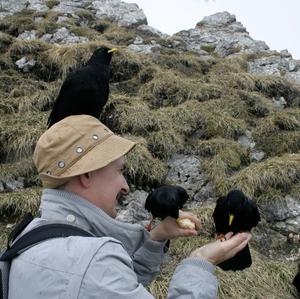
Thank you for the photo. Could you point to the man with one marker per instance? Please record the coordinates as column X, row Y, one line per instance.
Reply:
column 81, row 163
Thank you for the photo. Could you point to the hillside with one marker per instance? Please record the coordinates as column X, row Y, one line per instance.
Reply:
column 211, row 108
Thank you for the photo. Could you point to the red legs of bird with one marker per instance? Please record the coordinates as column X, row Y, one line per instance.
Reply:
column 149, row 226
column 221, row 237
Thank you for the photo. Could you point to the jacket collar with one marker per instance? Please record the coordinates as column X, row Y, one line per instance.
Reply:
column 65, row 206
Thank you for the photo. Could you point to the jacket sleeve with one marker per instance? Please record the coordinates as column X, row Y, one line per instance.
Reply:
column 147, row 260
column 193, row 278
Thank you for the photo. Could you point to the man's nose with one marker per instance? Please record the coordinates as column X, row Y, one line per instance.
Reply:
column 125, row 187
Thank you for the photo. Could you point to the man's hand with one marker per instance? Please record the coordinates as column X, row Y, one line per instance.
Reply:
column 169, row 229
column 218, row 251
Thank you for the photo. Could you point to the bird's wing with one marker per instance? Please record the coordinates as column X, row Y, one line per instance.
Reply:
column 220, row 215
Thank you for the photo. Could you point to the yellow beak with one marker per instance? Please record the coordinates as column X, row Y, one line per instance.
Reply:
column 231, row 216
column 112, row 50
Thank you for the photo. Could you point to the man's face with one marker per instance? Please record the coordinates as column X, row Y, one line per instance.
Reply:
column 108, row 184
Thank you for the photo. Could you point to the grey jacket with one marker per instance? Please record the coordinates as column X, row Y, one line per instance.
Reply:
column 118, row 263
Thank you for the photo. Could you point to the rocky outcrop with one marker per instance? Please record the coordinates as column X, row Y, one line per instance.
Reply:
column 125, row 14
column 283, row 213
column 221, row 34
column 280, row 64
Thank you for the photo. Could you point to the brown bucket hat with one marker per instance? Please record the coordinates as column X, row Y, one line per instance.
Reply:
column 76, row 145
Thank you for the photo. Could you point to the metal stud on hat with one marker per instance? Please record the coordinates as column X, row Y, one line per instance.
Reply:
column 79, row 150
column 61, row 164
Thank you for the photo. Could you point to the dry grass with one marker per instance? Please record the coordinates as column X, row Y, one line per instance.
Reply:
column 186, row 63
column 24, row 168
column 131, row 115
column 20, row 48
column 5, row 41
column 169, row 89
column 18, row 23
column 73, row 56
column 16, row 204
column 211, row 147
column 222, row 125
column 274, row 86
column 125, row 65
column 142, row 168
column 278, row 172
column 257, row 104
column 19, row 133
column 165, row 143
column 279, row 133
column 239, row 80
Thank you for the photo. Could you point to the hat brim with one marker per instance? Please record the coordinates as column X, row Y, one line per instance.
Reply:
column 98, row 157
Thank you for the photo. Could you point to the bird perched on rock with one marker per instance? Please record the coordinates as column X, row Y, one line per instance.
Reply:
column 86, row 90
column 296, row 281
column 166, row 201
column 236, row 213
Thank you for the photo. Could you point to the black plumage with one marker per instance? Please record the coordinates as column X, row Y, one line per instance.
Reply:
column 85, row 90
column 236, row 212
column 166, row 201
column 296, row 281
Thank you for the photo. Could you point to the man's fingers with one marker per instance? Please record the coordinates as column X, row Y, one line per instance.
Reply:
column 237, row 241
column 235, row 250
column 228, row 235
column 187, row 232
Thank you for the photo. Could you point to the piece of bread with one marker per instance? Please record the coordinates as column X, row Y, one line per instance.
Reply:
column 186, row 223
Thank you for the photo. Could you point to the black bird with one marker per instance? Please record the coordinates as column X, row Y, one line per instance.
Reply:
column 236, row 213
column 166, row 201
column 296, row 281
column 85, row 90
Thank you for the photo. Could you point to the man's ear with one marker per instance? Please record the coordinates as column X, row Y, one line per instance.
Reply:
column 85, row 179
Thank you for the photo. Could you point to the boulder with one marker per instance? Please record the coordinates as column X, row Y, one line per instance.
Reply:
column 125, row 14
column 221, row 34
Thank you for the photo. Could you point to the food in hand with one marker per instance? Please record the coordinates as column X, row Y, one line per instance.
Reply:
column 186, row 223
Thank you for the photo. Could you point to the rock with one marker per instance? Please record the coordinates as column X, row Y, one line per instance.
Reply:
column 25, row 65
column 61, row 19
column 206, row 192
column 135, row 211
column 257, row 156
column 12, row 185
column 148, row 30
column 246, row 140
column 278, row 65
column 280, row 103
column 71, row 6
column 284, row 214
column 12, row 6
column 64, row 36
column 185, row 171
column 27, row 35
column 289, row 225
column 145, row 49
column 125, row 14
column 282, row 209
column 221, row 34
column 138, row 40
column 38, row 19
column 220, row 19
